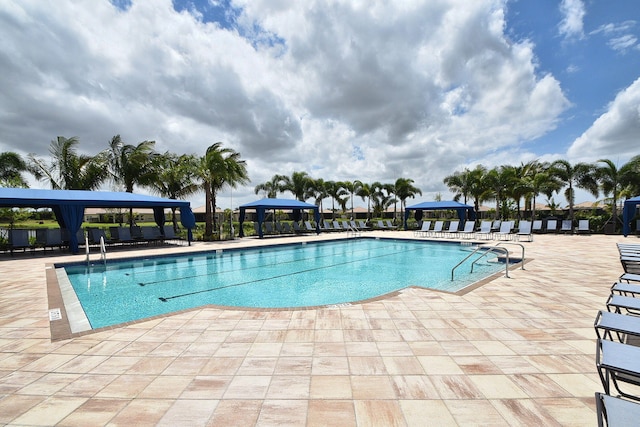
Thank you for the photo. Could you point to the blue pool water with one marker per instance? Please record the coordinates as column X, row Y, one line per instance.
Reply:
column 297, row 275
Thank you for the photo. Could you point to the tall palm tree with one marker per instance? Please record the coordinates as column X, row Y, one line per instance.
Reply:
column 349, row 188
column 501, row 180
column 334, row 190
column 478, row 189
column 69, row 170
column 405, row 189
column 318, row 190
column 459, row 184
column 11, row 168
column 382, row 197
column 131, row 165
column 608, row 176
column 176, row 178
column 575, row 176
column 298, row 184
column 365, row 191
column 630, row 177
column 540, row 181
column 219, row 167
column 272, row 187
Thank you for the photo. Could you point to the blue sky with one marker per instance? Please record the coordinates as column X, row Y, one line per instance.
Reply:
column 344, row 90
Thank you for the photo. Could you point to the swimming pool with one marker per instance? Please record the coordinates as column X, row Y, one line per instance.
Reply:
column 283, row 276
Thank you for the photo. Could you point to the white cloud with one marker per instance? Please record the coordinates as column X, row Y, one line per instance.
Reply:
column 415, row 89
column 620, row 36
column 573, row 12
column 615, row 131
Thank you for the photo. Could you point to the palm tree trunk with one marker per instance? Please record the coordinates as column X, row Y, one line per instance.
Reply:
column 208, row 224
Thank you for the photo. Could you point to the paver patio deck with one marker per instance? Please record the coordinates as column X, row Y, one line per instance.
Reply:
column 516, row 351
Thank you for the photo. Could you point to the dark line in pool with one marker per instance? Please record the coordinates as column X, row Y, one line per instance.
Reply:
column 276, row 262
column 166, row 299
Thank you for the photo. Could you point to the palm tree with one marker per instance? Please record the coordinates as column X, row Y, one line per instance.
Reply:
column 630, row 177
column 541, row 181
column 69, row 170
column 403, row 189
column 608, row 176
column 219, row 167
column 318, row 190
column 579, row 175
column 298, row 184
column 334, row 190
column 365, row 190
column 348, row 188
column 459, row 184
column 478, row 189
column 176, row 178
column 272, row 187
column 382, row 197
column 131, row 165
column 11, row 168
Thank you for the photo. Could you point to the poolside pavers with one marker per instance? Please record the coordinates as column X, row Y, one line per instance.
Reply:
column 515, row 351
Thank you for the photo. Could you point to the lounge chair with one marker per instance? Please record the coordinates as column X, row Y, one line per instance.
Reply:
column 19, row 239
column 614, row 411
column 308, row 227
column 151, row 234
column 452, row 230
column 505, row 232
column 495, row 225
column 337, row 226
column 618, row 303
column 170, row 234
column 363, row 225
column 353, row 225
column 96, row 234
column 485, row 231
column 524, row 231
column 469, row 229
column 49, row 238
column 607, row 325
column 390, row 225
column 552, row 226
column 630, row 277
column 616, row 363
column 566, row 226
column 424, row 229
column 382, row 226
column 536, row 227
column 583, row 227
column 626, row 289
column 630, row 264
column 124, row 235
column 437, row 229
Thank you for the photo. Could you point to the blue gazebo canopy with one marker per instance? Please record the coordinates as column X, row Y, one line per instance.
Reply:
column 262, row 205
column 460, row 208
column 69, row 205
column 628, row 212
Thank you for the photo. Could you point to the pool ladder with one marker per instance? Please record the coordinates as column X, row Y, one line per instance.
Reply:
column 103, row 250
column 492, row 249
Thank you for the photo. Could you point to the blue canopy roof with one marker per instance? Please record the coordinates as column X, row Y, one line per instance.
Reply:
column 442, row 205
column 268, row 203
column 628, row 212
column 35, row 198
column 460, row 208
column 69, row 205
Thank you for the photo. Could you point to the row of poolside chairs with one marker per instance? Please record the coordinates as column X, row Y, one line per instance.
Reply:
column 51, row 238
column 506, row 231
column 306, row 227
column 618, row 347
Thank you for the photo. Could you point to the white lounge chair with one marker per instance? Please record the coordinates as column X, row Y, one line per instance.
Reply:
column 424, row 229
column 524, row 231
column 437, row 229
column 485, row 231
column 583, row 227
column 536, row 226
column 452, row 230
column 552, row 226
column 566, row 226
column 469, row 229
column 505, row 232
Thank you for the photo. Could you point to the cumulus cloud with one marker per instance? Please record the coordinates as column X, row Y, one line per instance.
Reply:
column 573, row 12
column 615, row 131
column 342, row 90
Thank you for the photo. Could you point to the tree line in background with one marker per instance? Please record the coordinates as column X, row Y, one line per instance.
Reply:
column 125, row 166
column 179, row 176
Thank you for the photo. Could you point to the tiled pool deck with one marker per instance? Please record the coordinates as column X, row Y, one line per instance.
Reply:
column 516, row 351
